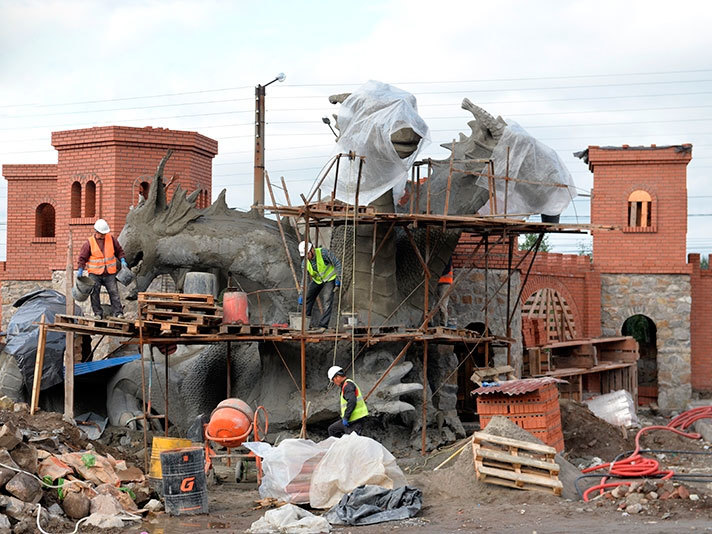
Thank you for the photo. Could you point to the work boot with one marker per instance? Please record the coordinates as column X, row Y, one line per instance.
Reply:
column 97, row 316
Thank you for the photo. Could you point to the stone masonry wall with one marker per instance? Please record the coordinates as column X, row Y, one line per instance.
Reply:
column 666, row 300
column 467, row 302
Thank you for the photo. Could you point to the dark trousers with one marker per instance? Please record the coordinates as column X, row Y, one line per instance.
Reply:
column 338, row 429
column 109, row 282
column 327, row 300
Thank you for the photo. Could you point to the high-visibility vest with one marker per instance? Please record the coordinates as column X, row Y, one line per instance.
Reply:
column 447, row 278
column 102, row 261
column 323, row 273
column 360, row 410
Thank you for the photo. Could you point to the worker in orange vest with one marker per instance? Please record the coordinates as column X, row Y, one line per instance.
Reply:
column 444, row 283
column 100, row 255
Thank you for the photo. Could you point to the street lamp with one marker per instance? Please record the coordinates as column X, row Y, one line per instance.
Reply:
column 259, row 185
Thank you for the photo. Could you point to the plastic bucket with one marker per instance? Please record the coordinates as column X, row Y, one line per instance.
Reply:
column 235, row 307
column 159, row 445
column 197, row 283
column 184, row 486
column 125, row 276
column 295, row 320
column 82, row 288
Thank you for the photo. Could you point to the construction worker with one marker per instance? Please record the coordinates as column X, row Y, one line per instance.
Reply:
column 444, row 283
column 99, row 255
column 325, row 272
column 353, row 407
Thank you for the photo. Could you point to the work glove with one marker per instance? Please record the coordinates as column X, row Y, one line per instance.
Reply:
column 123, row 263
column 337, row 283
column 80, row 272
column 345, row 422
column 300, row 300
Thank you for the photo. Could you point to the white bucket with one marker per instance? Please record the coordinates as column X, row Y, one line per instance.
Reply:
column 295, row 320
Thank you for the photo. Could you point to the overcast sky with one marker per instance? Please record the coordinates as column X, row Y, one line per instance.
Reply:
column 572, row 73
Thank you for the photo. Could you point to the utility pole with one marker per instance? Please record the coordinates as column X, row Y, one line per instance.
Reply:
column 259, row 171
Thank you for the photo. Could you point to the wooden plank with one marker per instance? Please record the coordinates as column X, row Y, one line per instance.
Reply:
column 39, row 364
column 509, row 442
column 69, row 336
column 194, row 297
column 585, row 362
column 527, row 478
column 507, row 458
column 534, row 361
column 519, row 484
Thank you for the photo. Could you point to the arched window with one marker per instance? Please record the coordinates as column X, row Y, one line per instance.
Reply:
column 640, row 209
column 44, row 220
column 76, row 200
column 90, row 199
column 144, row 189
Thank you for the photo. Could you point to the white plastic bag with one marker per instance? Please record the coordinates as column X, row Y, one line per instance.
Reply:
column 616, row 408
column 350, row 462
column 287, row 468
column 366, row 120
column 289, row 519
column 547, row 185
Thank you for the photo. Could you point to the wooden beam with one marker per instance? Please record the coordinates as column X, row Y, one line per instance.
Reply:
column 39, row 364
column 69, row 336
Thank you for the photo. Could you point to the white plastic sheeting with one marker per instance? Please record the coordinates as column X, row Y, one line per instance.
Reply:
column 350, row 462
column 547, row 185
column 289, row 519
column 366, row 120
column 324, row 471
column 616, row 408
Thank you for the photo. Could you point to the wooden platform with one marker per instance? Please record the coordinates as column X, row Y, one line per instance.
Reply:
column 515, row 464
column 91, row 326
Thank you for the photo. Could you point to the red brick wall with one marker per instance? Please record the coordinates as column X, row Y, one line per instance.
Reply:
column 661, row 172
column 700, row 332
column 28, row 186
column 114, row 158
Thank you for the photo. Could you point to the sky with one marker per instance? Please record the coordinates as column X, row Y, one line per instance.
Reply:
column 573, row 74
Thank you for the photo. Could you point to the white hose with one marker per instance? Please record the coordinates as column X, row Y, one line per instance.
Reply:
column 127, row 516
column 65, row 483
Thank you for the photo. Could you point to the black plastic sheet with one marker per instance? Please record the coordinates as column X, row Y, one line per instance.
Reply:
column 367, row 505
column 23, row 335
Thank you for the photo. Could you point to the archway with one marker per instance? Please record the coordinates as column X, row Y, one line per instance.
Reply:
column 44, row 220
column 644, row 331
column 549, row 305
column 469, row 358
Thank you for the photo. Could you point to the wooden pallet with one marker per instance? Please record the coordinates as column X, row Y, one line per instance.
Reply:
column 176, row 297
column 247, row 329
column 104, row 326
column 167, row 327
column 515, row 464
column 164, row 316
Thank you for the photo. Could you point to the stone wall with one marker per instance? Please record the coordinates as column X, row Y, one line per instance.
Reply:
column 666, row 300
column 467, row 303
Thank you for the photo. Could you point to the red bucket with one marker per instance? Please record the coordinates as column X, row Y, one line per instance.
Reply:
column 235, row 308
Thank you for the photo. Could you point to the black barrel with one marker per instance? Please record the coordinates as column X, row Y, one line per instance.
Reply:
column 184, row 486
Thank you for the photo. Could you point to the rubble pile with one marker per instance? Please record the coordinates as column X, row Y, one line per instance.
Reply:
column 47, row 464
column 653, row 497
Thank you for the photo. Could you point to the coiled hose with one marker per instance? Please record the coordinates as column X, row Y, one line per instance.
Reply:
column 637, row 466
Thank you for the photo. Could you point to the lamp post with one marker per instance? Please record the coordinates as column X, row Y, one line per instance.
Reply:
column 259, row 185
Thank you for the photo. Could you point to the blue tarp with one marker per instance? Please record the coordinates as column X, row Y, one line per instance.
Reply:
column 90, row 367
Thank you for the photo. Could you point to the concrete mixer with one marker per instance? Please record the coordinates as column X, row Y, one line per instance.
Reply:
column 232, row 423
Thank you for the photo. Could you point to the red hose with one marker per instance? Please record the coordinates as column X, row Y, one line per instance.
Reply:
column 636, row 466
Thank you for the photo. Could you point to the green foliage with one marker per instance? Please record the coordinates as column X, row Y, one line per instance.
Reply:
column 705, row 263
column 129, row 491
column 60, row 489
column 89, row 459
column 526, row 241
column 640, row 327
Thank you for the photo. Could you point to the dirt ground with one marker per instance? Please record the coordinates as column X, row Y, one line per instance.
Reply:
column 454, row 501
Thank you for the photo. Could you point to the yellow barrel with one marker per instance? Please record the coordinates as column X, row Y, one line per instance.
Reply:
column 159, row 445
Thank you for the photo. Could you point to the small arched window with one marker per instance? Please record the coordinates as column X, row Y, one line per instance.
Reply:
column 90, row 199
column 640, row 209
column 44, row 220
column 76, row 200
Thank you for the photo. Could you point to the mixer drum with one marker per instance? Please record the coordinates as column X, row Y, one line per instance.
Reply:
column 230, row 423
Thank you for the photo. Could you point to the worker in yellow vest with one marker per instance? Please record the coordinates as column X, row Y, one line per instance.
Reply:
column 100, row 256
column 324, row 271
column 353, row 407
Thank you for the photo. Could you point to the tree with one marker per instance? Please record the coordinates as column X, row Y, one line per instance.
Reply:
column 705, row 262
column 527, row 241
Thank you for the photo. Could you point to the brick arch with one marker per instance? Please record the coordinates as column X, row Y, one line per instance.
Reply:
column 83, row 179
column 653, row 202
column 536, row 282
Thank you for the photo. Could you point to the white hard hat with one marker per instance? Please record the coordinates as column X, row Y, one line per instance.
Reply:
column 333, row 371
column 102, row 226
column 302, row 246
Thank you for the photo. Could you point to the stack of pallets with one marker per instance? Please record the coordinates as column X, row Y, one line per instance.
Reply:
column 179, row 313
column 515, row 464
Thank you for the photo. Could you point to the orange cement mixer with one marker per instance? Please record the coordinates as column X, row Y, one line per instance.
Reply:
column 232, row 423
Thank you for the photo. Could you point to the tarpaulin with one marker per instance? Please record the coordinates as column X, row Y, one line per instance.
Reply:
column 367, row 505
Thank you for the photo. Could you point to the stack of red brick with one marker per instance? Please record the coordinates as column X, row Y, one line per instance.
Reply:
column 534, row 332
column 536, row 411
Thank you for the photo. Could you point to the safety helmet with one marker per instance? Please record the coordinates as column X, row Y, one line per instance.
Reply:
column 102, row 226
column 305, row 247
column 333, row 371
